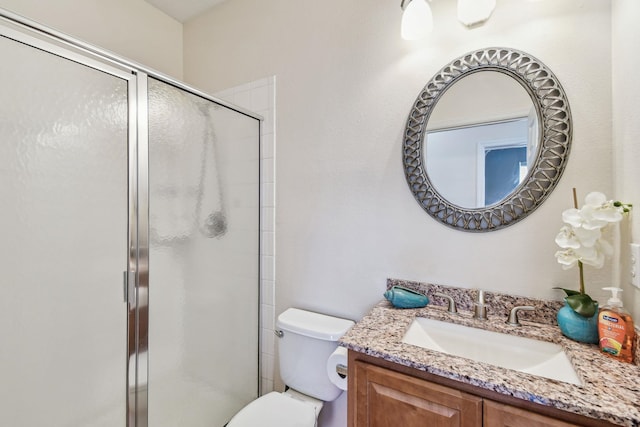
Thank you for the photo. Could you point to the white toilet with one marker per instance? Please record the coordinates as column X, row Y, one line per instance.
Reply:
column 306, row 340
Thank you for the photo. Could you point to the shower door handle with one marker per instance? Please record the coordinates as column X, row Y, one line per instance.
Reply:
column 128, row 287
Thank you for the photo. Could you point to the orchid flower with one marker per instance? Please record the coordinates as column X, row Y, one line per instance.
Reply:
column 582, row 243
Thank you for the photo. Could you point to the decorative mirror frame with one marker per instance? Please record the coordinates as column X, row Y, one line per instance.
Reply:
column 554, row 122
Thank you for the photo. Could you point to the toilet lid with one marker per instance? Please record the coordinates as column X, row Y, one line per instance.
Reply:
column 275, row 410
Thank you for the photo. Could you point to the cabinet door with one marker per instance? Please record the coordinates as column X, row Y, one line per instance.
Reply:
column 499, row 415
column 386, row 398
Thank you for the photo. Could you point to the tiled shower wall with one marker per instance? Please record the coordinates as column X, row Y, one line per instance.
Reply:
column 259, row 96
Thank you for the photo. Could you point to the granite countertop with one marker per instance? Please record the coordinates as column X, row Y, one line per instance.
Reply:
column 610, row 389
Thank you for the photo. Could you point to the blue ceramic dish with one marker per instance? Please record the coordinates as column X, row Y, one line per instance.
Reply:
column 405, row 298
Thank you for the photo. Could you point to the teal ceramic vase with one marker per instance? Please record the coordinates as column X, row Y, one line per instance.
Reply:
column 577, row 327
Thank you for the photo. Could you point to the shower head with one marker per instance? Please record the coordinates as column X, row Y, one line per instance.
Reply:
column 215, row 225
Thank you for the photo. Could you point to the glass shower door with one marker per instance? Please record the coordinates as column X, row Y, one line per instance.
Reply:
column 63, row 241
column 203, row 259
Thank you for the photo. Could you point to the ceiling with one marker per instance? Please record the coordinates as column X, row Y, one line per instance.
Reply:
column 183, row 10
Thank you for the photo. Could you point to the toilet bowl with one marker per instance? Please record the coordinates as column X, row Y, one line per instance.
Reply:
column 306, row 340
column 278, row 409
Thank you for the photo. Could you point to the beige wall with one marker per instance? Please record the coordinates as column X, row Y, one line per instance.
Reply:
column 345, row 218
column 626, row 132
column 131, row 28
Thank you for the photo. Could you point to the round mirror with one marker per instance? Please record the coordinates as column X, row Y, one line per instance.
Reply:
column 487, row 139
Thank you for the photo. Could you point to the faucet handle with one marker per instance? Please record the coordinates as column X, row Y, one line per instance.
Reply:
column 452, row 304
column 513, row 316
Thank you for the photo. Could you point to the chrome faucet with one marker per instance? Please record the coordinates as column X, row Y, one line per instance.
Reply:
column 479, row 307
column 513, row 316
column 452, row 304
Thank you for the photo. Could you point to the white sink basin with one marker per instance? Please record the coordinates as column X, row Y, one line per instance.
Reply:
column 534, row 357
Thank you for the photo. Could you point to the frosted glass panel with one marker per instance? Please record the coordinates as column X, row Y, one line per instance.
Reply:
column 63, row 222
column 203, row 259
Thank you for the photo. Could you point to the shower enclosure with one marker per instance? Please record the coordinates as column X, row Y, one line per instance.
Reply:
column 129, row 241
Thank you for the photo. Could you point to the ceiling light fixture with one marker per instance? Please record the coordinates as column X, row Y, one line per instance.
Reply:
column 475, row 12
column 417, row 19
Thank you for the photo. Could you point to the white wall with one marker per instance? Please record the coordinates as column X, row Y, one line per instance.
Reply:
column 345, row 218
column 131, row 28
column 626, row 132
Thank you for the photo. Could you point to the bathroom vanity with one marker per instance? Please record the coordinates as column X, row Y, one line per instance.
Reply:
column 394, row 383
column 387, row 394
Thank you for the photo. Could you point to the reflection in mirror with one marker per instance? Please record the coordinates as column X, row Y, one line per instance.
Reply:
column 478, row 165
column 480, row 139
column 536, row 104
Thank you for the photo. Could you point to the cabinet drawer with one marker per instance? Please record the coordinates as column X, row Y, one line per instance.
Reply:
column 500, row 415
column 386, row 398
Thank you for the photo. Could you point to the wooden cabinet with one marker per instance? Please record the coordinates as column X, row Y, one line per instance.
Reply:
column 390, row 399
column 385, row 394
column 501, row 415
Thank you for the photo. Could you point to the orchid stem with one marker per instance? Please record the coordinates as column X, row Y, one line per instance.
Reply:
column 580, row 267
column 581, row 277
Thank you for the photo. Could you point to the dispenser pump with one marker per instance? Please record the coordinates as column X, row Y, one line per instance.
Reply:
column 614, row 300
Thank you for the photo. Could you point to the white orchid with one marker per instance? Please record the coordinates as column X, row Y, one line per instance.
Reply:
column 574, row 237
column 582, row 242
column 596, row 213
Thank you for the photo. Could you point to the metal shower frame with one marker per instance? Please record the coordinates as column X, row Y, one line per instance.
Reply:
column 136, row 278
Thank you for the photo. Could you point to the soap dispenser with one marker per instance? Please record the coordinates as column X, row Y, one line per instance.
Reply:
column 615, row 328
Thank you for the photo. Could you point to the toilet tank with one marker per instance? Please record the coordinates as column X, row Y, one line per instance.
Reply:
column 307, row 341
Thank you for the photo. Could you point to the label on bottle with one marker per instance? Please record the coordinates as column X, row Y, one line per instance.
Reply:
column 611, row 331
